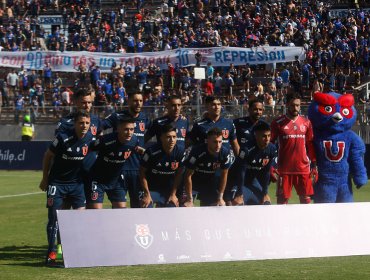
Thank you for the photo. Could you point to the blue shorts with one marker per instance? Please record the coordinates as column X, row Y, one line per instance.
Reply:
column 160, row 200
column 131, row 184
column 115, row 193
column 57, row 193
column 253, row 193
column 206, row 195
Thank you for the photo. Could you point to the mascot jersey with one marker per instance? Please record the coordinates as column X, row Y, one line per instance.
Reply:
column 339, row 150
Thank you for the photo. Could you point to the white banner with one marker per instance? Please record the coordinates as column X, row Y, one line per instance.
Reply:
column 222, row 56
column 212, row 234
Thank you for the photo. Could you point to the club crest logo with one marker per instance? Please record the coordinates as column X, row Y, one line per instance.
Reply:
column 85, row 150
column 143, row 236
column 183, row 132
column 216, row 165
column 50, row 201
column 94, row 196
column 225, row 133
column 174, row 165
column 302, row 128
column 127, row 154
column 265, row 161
column 93, row 130
column 142, row 126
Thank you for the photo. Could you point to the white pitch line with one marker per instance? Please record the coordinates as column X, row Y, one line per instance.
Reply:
column 21, row 194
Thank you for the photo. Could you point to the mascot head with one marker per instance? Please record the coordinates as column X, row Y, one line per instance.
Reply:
column 332, row 112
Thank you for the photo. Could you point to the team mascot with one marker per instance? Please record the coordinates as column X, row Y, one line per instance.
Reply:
column 339, row 150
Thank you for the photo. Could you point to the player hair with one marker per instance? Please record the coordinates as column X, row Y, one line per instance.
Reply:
column 167, row 128
column 214, row 131
column 291, row 97
column 253, row 101
column 81, row 93
column 210, row 99
column 80, row 114
column 131, row 94
column 124, row 120
column 173, row 97
column 261, row 126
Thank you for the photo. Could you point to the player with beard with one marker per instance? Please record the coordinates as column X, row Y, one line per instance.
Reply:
column 244, row 133
column 296, row 156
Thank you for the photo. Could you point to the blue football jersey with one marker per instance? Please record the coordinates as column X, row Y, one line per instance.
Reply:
column 142, row 123
column 205, row 164
column 161, row 168
column 181, row 124
column 69, row 155
column 112, row 155
column 198, row 133
column 244, row 130
column 255, row 164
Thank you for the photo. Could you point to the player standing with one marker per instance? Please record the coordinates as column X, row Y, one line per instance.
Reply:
column 61, row 174
column 161, row 170
column 296, row 155
column 173, row 116
column 131, row 167
column 244, row 134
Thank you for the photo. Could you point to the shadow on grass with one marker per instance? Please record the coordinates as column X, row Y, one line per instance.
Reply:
column 23, row 255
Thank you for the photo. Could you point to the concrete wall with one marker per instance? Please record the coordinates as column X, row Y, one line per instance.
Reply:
column 43, row 132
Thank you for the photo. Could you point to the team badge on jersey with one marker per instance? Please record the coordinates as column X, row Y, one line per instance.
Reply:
column 265, row 161
column 225, row 133
column 127, row 154
column 142, row 126
column 216, row 165
column 93, row 130
column 143, row 236
column 85, row 150
column 94, row 196
column 183, row 132
column 302, row 128
column 174, row 165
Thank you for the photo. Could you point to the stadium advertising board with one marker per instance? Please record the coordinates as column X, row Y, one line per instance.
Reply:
column 16, row 155
column 69, row 61
column 211, row 234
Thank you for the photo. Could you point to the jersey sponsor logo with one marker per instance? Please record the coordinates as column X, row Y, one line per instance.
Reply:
column 330, row 155
column 174, row 165
column 93, row 130
column 225, row 133
column 142, row 126
column 183, row 132
column 127, row 154
column 143, row 236
column 85, row 149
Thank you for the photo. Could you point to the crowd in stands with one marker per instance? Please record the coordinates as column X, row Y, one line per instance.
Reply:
column 337, row 48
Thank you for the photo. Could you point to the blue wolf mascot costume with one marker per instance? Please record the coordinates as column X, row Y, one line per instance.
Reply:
column 339, row 151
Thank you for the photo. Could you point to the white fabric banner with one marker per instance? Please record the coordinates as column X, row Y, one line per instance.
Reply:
column 222, row 56
column 112, row 237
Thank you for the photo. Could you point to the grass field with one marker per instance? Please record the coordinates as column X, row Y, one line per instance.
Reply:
column 23, row 246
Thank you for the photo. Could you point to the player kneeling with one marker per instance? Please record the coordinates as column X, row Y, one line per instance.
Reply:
column 206, row 171
column 255, row 160
column 161, row 170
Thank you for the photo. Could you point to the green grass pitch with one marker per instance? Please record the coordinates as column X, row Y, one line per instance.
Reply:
column 23, row 246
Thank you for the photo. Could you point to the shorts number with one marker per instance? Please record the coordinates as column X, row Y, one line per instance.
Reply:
column 52, row 190
column 94, row 186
